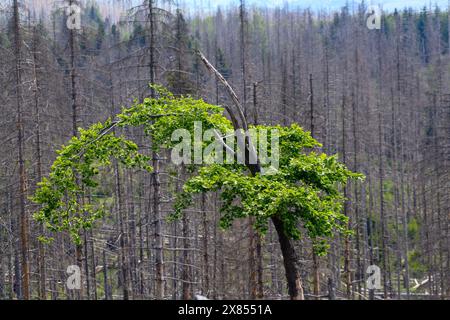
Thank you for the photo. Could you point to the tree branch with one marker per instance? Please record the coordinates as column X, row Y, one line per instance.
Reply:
column 231, row 93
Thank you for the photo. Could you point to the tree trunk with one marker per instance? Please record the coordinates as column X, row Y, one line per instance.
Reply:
column 36, row 91
column 22, row 174
column 186, row 275
column 205, row 287
column 290, row 261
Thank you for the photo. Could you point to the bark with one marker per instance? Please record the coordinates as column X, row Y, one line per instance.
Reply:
column 122, row 237
column 36, row 92
column 205, row 288
column 105, row 277
column 290, row 261
column 186, row 276
column 159, row 241
column 24, row 229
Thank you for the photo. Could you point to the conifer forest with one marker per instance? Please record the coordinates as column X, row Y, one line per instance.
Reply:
column 334, row 120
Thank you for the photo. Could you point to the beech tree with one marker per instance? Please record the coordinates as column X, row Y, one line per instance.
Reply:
column 378, row 98
column 302, row 195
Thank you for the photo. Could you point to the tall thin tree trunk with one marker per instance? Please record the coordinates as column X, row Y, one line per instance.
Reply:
column 347, row 271
column 36, row 91
column 186, row 276
column 383, row 250
column 205, row 287
column 24, row 229
column 122, row 236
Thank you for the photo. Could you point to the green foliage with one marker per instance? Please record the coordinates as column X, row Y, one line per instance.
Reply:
column 303, row 193
column 161, row 117
column 76, row 169
column 138, row 36
column 413, row 229
column 178, row 78
column 417, row 268
column 62, row 194
column 222, row 66
column 4, row 41
column 388, row 190
column 94, row 35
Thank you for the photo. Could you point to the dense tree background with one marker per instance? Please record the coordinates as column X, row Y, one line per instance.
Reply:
column 378, row 98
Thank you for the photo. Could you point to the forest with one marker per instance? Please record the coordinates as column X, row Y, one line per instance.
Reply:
column 94, row 207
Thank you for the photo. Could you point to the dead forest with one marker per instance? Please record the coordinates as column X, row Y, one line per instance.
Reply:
column 379, row 98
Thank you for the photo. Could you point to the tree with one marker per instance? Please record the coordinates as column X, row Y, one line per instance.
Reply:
column 179, row 76
column 304, row 192
column 24, row 228
column 393, row 127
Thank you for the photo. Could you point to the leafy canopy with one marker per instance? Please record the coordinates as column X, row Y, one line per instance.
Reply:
column 303, row 193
